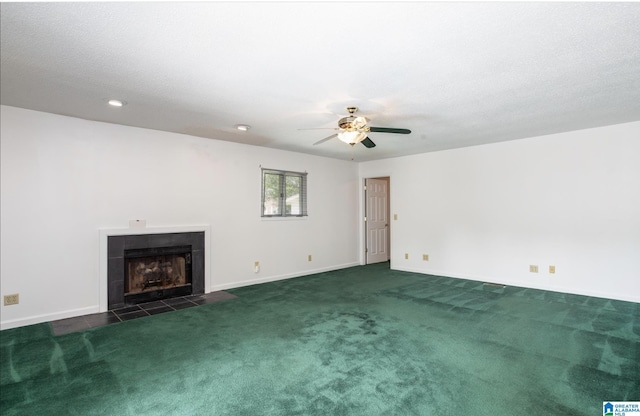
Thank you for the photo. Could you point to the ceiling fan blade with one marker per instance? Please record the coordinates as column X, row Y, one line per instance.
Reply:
column 368, row 143
column 389, row 130
column 326, row 138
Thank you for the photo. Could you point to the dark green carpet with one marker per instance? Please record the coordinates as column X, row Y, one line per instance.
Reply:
column 360, row 341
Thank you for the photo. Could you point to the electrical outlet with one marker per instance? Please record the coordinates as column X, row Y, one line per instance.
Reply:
column 11, row 299
column 406, row 256
column 552, row 269
column 256, row 267
column 309, row 258
column 533, row 268
column 425, row 257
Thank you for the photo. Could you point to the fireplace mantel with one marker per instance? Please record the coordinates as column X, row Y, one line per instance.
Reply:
column 108, row 232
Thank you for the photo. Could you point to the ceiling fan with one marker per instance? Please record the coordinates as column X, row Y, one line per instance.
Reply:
column 353, row 130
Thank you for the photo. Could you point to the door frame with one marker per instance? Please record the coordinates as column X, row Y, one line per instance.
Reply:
column 363, row 213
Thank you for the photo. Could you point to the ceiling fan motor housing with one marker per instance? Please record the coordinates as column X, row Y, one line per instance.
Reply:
column 353, row 123
column 354, row 130
column 345, row 122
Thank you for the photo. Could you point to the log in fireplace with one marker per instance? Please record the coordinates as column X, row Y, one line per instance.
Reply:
column 143, row 268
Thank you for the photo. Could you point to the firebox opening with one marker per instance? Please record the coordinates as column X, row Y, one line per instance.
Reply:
column 157, row 273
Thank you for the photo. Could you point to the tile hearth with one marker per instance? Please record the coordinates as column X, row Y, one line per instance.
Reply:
column 80, row 323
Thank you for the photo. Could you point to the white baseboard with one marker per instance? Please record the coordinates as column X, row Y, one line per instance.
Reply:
column 561, row 289
column 96, row 308
column 32, row 320
column 268, row 279
column 38, row 319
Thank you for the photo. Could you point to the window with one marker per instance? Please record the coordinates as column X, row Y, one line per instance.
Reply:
column 284, row 194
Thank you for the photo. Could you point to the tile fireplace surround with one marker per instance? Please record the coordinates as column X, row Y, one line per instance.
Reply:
column 113, row 242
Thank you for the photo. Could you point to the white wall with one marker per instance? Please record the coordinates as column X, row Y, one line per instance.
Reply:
column 63, row 179
column 488, row 212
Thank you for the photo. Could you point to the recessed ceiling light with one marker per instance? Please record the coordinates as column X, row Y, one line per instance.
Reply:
column 116, row 103
column 243, row 127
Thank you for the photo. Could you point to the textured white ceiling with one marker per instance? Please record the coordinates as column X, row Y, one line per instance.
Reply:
column 456, row 74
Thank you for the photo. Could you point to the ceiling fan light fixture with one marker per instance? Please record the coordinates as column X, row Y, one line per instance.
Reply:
column 352, row 137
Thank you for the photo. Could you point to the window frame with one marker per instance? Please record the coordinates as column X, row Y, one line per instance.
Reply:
column 282, row 199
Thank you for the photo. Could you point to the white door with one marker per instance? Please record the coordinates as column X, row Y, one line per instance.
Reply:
column 377, row 220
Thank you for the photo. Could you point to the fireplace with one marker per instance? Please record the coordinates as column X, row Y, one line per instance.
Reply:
column 147, row 267
column 153, row 273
